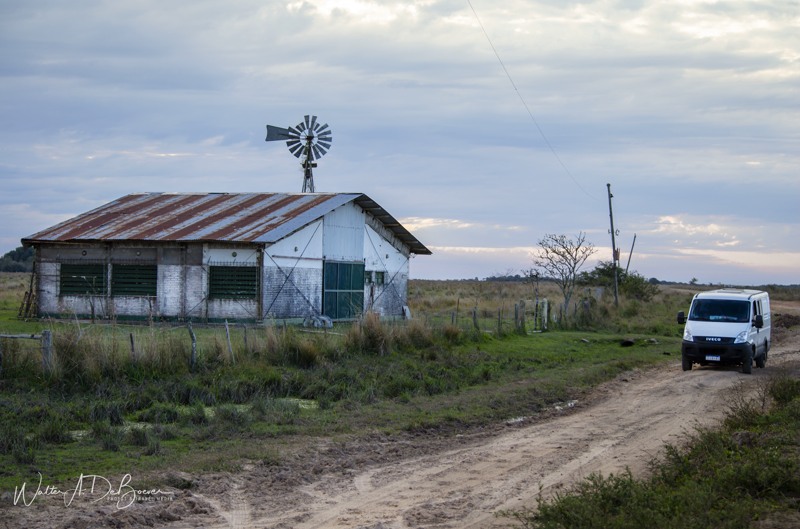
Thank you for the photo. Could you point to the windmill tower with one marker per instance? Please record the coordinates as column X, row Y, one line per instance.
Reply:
column 308, row 141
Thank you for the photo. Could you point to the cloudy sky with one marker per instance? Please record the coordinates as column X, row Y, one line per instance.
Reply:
column 481, row 125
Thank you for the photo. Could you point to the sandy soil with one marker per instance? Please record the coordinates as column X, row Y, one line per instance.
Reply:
column 438, row 482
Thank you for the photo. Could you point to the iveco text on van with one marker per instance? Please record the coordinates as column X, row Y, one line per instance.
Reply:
column 727, row 326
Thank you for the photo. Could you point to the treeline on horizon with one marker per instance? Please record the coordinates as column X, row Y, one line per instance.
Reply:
column 21, row 260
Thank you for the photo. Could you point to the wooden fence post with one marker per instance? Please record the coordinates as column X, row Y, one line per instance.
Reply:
column 133, row 349
column 193, row 358
column 230, row 347
column 47, row 350
column 499, row 322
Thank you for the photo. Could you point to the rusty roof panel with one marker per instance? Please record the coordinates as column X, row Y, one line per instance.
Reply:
column 221, row 217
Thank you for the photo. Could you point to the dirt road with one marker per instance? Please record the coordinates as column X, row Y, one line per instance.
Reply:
column 626, row 423
column 461, row 482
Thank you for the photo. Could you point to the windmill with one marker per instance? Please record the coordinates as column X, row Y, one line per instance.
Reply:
column 308, row 140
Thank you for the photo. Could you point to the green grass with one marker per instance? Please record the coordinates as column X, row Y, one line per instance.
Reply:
column 440, row 387
column 148, row 410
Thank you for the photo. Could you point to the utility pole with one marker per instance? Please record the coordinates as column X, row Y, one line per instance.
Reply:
column 614, row 255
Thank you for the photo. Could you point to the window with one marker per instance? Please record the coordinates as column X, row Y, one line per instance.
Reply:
column 83, row 279
column 134, row 280
column 380, row 278
column 722, row 310
column 343, row 292
column 233, row 282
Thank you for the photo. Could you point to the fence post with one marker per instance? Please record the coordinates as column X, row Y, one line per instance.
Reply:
column 1, row 358
column 193, row 359
column 47, row 350
column 133, row 349
column 230, row 347
column 475, row 319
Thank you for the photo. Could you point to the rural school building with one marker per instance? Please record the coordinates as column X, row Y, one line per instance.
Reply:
column 225, row 256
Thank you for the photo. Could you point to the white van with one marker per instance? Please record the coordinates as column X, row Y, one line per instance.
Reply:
column 727, row 326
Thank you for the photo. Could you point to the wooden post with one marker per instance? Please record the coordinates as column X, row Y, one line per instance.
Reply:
column 47, row 350
column 230, row 347
column 499, row 322
column 133, row 349
column 245, row 337
column 475, row 319
column 193, row 358
column 1, row 359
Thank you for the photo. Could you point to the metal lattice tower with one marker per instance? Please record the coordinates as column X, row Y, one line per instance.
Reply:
column 308, row 141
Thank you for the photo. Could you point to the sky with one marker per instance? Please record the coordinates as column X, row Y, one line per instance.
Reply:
column 482, row 126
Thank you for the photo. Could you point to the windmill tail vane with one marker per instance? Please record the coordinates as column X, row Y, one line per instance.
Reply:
column 308, row 140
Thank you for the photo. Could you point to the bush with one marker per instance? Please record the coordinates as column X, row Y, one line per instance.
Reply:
column 55, row 430
column 107, row 411
column 110, row 437
column 276, row 411
column 369, row 336
column 159, row 413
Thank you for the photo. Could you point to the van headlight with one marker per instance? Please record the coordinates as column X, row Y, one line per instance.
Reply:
column 687, row 335
column 741, row 337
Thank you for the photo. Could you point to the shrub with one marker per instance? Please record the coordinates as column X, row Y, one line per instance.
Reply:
column 55, row 430
column 784, row 389
column 276, row 411
column 159, row 413
column 138, row 436
column 369, row 336
column 232, row 416
column 197, row 414
column 107, row 411
column 110, row 437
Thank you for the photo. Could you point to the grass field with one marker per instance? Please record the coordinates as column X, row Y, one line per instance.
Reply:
column 127, row 397
column 128, row 394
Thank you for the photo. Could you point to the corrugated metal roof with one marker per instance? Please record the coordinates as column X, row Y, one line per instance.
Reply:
column 207, row 217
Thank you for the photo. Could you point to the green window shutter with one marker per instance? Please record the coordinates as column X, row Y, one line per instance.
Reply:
column 233, row 282
column 134, row 280
column 83, row 279
column 343, row 291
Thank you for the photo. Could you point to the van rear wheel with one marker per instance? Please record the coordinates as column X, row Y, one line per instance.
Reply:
column 761, row 361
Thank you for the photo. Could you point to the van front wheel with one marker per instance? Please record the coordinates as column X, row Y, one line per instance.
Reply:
column 686, row 363
column 747, row 364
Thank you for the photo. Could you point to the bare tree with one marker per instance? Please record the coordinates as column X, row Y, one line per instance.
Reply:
column 561, row 258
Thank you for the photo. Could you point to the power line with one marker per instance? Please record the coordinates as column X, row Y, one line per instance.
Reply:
column 525, row 104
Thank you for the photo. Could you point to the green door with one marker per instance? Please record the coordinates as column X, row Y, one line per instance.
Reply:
column 343, row 292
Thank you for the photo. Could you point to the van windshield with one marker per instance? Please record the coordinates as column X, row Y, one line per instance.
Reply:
column 720, row 310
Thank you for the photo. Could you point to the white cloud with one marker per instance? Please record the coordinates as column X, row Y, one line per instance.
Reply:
column 690, row 110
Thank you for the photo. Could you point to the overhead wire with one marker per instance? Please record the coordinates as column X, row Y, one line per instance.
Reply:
column 525, row 104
